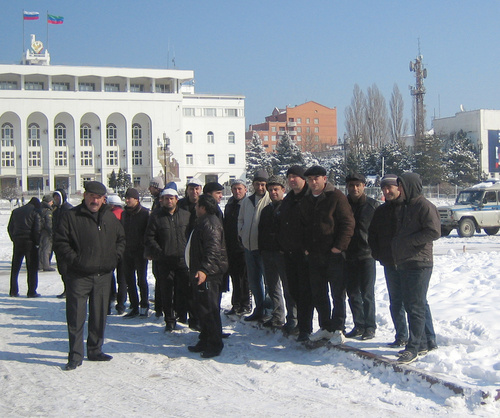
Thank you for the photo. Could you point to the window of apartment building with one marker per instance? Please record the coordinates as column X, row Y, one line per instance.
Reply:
column 33, row 85
column 211, row 159
column 137, row 181
column 8, row 159
column 188, row 111
column 7, row 135
column 60, row 135
column 299, row 138
column 58, row 86
column 136, row 135
column 316, row 129
column 232, row 158
column 189, row 159
column 231, row 112
column 136, row 157
column 316, row 121
column 8, row 85
column 273, row 128
column 316, row 138
column 111, row 87
column 111, row 134
column 231, row 138
column 112, row 158
column 308, row 120
column 266, row 137
column 308, row 129
column 136, row 88
column 210, row 111
column 210, row 137
column 34, row 158
column 85, row 135
column 86, row 86
column 162, row 88
column 189, row 137
column 33, row 135
column 86, row 159
column 299, row 129
column 61, row 158
column 273, row 138
column 299, row 120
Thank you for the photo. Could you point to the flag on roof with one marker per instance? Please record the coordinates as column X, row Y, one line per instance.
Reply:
column 30, row 15
column 55, row 20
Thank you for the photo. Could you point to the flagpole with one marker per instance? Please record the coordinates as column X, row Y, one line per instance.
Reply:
column 47, row 22
column 23, row 34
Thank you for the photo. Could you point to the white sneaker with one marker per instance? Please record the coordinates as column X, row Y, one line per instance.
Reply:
column 321, row 334
column 337, row 338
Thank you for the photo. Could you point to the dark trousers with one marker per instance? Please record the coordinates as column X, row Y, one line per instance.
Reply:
column 62, row 268
column 44, row 251
column 394, row 283
column 24, row 249
column 80, row 290
column 173, row 277
column 255, row 272
column 158, row 306
column 274, row 267
column 136, row 266
column 297, row 274
column 207, row 305
column 240, row 298
column 415, row 283
column 328, row 270
column 121, row 294
column 360, row 286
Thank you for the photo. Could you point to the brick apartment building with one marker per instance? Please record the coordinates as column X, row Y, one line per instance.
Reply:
column 312, row 126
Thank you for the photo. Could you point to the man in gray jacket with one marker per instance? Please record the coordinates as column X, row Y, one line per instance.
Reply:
column 418, row 225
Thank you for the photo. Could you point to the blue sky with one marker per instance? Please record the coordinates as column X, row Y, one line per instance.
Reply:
column 280, row 53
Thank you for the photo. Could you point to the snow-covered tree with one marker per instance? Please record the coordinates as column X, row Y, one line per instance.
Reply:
column 257, row 157
column 429, row 160
column 461, row 161
column 287, row 154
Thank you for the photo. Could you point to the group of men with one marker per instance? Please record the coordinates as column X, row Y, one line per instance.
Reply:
column 293, row 252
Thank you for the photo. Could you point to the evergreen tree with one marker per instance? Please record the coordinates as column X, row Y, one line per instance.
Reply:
column 257, row 157
column 335, row 168
column 287, row 154
column 112, row 180
column 429, row 160
column 397, row 159
column 462, row 161
column 123, row 182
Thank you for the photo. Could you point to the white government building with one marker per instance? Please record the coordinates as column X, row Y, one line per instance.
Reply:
column 64, row 125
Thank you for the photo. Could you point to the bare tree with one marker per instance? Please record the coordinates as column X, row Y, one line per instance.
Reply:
column 376, row 117
column 355, row 120
column 398, row 126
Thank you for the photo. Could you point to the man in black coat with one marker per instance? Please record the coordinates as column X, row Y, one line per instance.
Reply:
column 360, row 270
column 61, row 205
column 24, row 232
column 193, row 192
column 207, row 260
column 46, row 234
column 91, row 241
column 240, row 299
column 165, row 242
column 135, row 220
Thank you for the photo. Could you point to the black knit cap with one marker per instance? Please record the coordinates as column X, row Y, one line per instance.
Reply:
column 95, row 187
column 296, row 170
column 315, row 170
column 133, row 193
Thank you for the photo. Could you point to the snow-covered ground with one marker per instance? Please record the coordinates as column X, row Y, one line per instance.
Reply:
column 259, row 373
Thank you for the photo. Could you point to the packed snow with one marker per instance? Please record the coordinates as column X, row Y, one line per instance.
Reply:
column 259, row 373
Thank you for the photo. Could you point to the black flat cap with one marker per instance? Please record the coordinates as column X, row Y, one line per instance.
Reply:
column 315, row 170
column 95, row 187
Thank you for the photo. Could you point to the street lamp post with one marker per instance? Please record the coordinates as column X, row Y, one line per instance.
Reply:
column 165, row 144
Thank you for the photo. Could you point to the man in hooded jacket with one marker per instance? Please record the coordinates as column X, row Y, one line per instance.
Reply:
column 418, row 225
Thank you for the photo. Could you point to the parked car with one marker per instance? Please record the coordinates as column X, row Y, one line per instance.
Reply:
column 476, row 208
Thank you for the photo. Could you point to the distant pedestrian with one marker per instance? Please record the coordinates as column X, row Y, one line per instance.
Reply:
column 60, row 206
column 46, row 234
column 24, row 232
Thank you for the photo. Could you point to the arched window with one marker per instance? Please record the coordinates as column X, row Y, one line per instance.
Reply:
column 231, row 137
column 33, row 135
column 189, row 137
column 60, row 135
column 210, row 137
column 136, row 135
column 111, row 135
column 7, row 135
column 85, row 135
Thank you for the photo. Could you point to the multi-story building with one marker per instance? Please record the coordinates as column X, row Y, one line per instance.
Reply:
column 62, row 125
column 312, row 126
column 482, row 127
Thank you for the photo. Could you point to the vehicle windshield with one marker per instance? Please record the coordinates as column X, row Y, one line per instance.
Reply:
column 469, row 198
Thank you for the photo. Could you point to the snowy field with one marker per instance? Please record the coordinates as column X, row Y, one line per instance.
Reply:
column 259, row 373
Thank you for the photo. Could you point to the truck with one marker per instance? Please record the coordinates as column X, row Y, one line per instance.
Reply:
column 476, row 208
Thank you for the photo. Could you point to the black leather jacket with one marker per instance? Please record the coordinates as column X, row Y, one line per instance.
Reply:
column 24, row 224
column 135, row 221
column 207, row 251
column 363, row 210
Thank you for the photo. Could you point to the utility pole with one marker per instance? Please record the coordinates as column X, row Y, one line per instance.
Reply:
column 418, row 91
